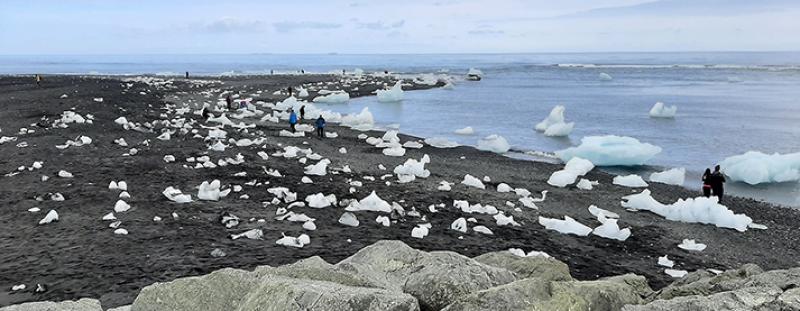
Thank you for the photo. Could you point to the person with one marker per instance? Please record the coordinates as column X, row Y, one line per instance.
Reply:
column 38, row 80
column 289, row 90
column 302, row 113
column 302, row 71
column 187, row 75
column 321, row 127
column 271, row 71
column 292, row 119
column 717, row 186
column 242, row 105
column 206, row 113
column 229, row 101
column 707, row 183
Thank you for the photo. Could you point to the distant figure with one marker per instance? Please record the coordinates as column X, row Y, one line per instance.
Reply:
column 717, row 186
column 343, row 72
column 271, row 71
column 242, row 105
column 302, row 71
column 386, row 72
column 302, row 113
column 292, row 119
column 206, row 113
column 320, row 126
column 707, row 183
column 229, row 101
column 38, row 80
column 289, row 90
column 187, row 75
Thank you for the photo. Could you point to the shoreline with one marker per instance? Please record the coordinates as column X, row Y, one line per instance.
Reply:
column 79, row 256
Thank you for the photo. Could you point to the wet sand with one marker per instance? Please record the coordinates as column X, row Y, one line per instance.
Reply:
column 79, row 256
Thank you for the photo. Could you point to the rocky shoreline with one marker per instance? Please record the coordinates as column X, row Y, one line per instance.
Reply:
column 82, row 255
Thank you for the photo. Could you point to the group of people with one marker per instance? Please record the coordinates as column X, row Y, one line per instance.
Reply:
column 293, row 120
column 713, row 183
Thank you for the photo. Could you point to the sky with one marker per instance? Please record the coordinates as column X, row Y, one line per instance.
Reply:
column 385, row 27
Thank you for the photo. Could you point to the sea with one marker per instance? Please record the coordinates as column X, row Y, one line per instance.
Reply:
column 728, row 102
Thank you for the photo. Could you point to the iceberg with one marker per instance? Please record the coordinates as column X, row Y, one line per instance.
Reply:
column 394, row 94
column 362, row 120
column 335, row 97
column 465, row 131
column 605, row 77
column 554, row 124
column 660, row 110
column 632, row 181
column 698, row 210
column 675, row 176
column 755, row 167
column 440, row 142
column 494, row 143
column 611, row 150
column 575, row 167
column 370, row 203
column 566, row 226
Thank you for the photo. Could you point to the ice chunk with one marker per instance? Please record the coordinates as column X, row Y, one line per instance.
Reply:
column 575, row 167
column 698, row 210
column 176, row 195
column 503, row 187
column 319, row 169
column 665, row 262
column 370, row 203
column 604, row 77
column 394, row 94
column 632, row 181
column 465, row 131
column 482, row 229
column 396, row 151
column 554, row 124
column 211, row 191
column 444, row 186
column 503, row 220
column 465, row 207
column 440, row 142
column 253, row 234
column 360, row 121
column 471, row 181
column 755, row 167
column 419, row 232
column 691, row 245
column 319, row 200
column 121, row 206
column 596, row 211
column 459, row 225
column 660, row 110
column 675, row 176
column 611, row 150
column 610, row 230
column 414, row 168
column 494, row 143
column 298, row 242
column 521, row 253
column 335, row 97
column 584, row 184
column 566, row 226
column 675, row 273
column 383, row 220
column 51, row 216
column 348, row 219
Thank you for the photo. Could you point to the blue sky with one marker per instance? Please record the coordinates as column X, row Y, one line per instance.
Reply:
column 409, row 26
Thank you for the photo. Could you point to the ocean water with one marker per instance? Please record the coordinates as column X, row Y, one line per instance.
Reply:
column 728, row 103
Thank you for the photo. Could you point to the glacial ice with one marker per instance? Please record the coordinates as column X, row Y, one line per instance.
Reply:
column 754, row 167
column 632, row 181
column 483, row 230
column 211, row 191
column 691, row 245
column 335, row 97
column 660, row 110
column 361, row 121
column 698, row 210
column 394, row 94
column 319, row 200
column 610, row 230
column 596, row 212
column 471, row 181
column 459, row 225
column 420, row 231
column 665, row 262
column 676, row 273
column 414, row 168
column 604, row 77
column 575, row 167
column 370, row 203
column 465, row 131
column 611, row 150
column 176, row 195
column 675, row 176
column 298, row 242
column 348, row 219
column 554, row 124
column 440, row 142
column 51, row 216
column 494, row 143
column 566, row 226
column 319, row 169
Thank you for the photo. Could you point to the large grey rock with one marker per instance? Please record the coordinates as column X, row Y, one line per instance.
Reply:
column 540, row 294
column 80, row 305
column 315, row 268
column 220, row 290
column 526, row 267
column 122, row 308
column 636, row 282
column 750, row 298
column 702, row 282
column 436, row 279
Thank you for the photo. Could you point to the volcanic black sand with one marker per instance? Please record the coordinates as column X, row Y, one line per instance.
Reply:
column 80, row 256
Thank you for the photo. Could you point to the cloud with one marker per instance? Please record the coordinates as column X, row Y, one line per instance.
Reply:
column 381, row 25
column 486, row 32
column 691, row 8
column 287, row 26
column 230, row 24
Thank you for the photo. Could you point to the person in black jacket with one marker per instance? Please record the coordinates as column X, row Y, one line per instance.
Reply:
column 717, row 185
column 707, row 183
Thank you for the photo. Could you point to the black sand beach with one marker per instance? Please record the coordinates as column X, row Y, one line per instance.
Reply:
column 80, row 256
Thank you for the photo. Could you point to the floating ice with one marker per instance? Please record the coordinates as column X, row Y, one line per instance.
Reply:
column 604, row 77
column 121, row 206
column 395, row 94
column 691, row 245
column 611, row 150
column 554, row 124
column 494, row 143
column 665, row 262
column 310, row 225
column 755, row 167
column 632, row 181
column 51, row 216
column 211, row 191
column 459, row 225
column 675, row 176
column 698, row 210
column 471, row 181
column 370, row 203
column 440, row 142
column 175, row 195
column 675, row 273
column 566, row 226
column 319, row 169
column 109, row 216
column 335, row 97
column 348, row 219
column 465, row 131
column 360, row 121
column 660, row 110
column 575, row 167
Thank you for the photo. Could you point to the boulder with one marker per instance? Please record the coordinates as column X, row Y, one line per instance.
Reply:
column 703, row 282
column 527, row 267
column 637, row 283
column 540, row 294
column 315, row 268
column 436, row 279
column 750, row 298
column 220, row 290
column 84, row 304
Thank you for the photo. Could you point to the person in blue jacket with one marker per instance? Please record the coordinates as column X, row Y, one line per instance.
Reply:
column 292, row 119
column 320, row 126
